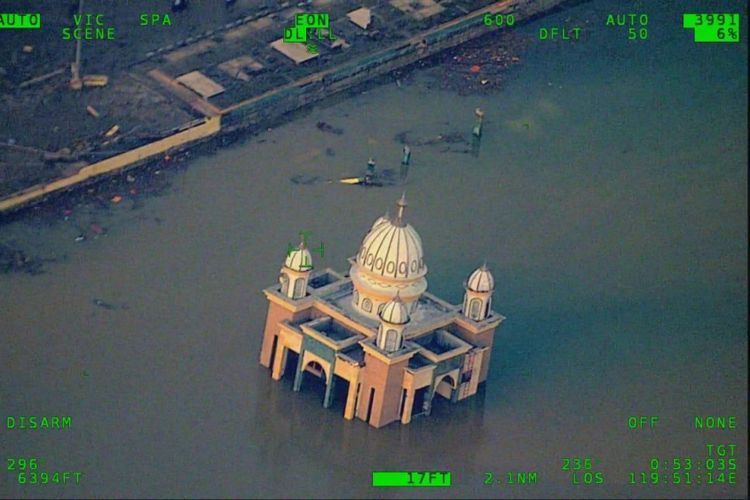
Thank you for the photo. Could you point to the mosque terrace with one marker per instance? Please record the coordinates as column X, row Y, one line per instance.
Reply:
column 406, row 349
column 418, row 362
column 320, row 280
column 353, row 354
column 440, row 345
column 332, row 331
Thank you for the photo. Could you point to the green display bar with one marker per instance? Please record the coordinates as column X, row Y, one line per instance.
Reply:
column 713, row 27
column 311, row 20
column 401, row 479
column 20, row 21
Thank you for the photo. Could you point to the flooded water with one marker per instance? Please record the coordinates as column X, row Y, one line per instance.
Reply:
column 609, row 197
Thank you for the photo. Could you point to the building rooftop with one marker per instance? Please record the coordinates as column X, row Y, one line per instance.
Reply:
column 353, row 353
column 297, row 52
column 430, row 309
column 361, row 17
column 418, row 361
column 332, row 329
column 439, row 342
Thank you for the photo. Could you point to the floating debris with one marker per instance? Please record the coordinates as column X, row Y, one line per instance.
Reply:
column 406, row 156
column 479, row 65
column 477, row 130
column 16, row 260
column 351, row 180
column 92, row 111
column 305, row 179
column 447, row 138
column 325, row 127
column 104, row 305
column 111, row 132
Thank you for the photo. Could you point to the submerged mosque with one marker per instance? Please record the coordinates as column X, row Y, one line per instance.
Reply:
column 378, row 329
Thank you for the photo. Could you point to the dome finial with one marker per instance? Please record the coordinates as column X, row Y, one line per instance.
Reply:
column 302, row 241
column 401, row 204
column 484, row 265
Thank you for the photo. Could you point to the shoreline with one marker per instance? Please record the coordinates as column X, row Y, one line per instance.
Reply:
column 251, row 116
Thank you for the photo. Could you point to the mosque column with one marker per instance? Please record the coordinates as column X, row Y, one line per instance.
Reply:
column 408, row 404
column 330, row 382
column 351, row 399
column 298, row 374
column 454, row 393
column 279, row 361
column 428, row 398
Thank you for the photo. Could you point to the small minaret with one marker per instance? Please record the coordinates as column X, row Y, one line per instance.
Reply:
column 406, row 157
column 393, row 320
column 295, row 273
column 477, row 130
column 400, row 209
column 478, row 296
column 370, row 172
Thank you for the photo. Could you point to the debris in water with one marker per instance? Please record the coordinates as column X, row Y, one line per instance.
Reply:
column 305, row 179
column 111, row 132
column 103, row 305
column 406, row 158
column 325, row 127
column 15, row 260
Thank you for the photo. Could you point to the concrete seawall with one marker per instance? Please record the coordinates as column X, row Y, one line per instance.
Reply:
column 252, row 113
column 207, row 128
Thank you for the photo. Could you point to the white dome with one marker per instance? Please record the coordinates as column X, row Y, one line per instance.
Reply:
column 395, row 312
column 392, row 251
column 380, row 220
column 392, row 248
column 299, row 259
column 481, row 280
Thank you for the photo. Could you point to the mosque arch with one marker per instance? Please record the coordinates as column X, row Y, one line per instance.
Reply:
column 316, row 368
column 448, row 379
column 355, row 297
column 366, row 304
column 299, row 285
column 391, row 340
column 474, row 306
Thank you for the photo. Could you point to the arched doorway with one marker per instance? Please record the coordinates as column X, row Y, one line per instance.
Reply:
column 445, row 386
column 474, row 309
column 316, row 369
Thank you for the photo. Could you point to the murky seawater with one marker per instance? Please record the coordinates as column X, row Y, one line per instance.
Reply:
column 609, row 198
